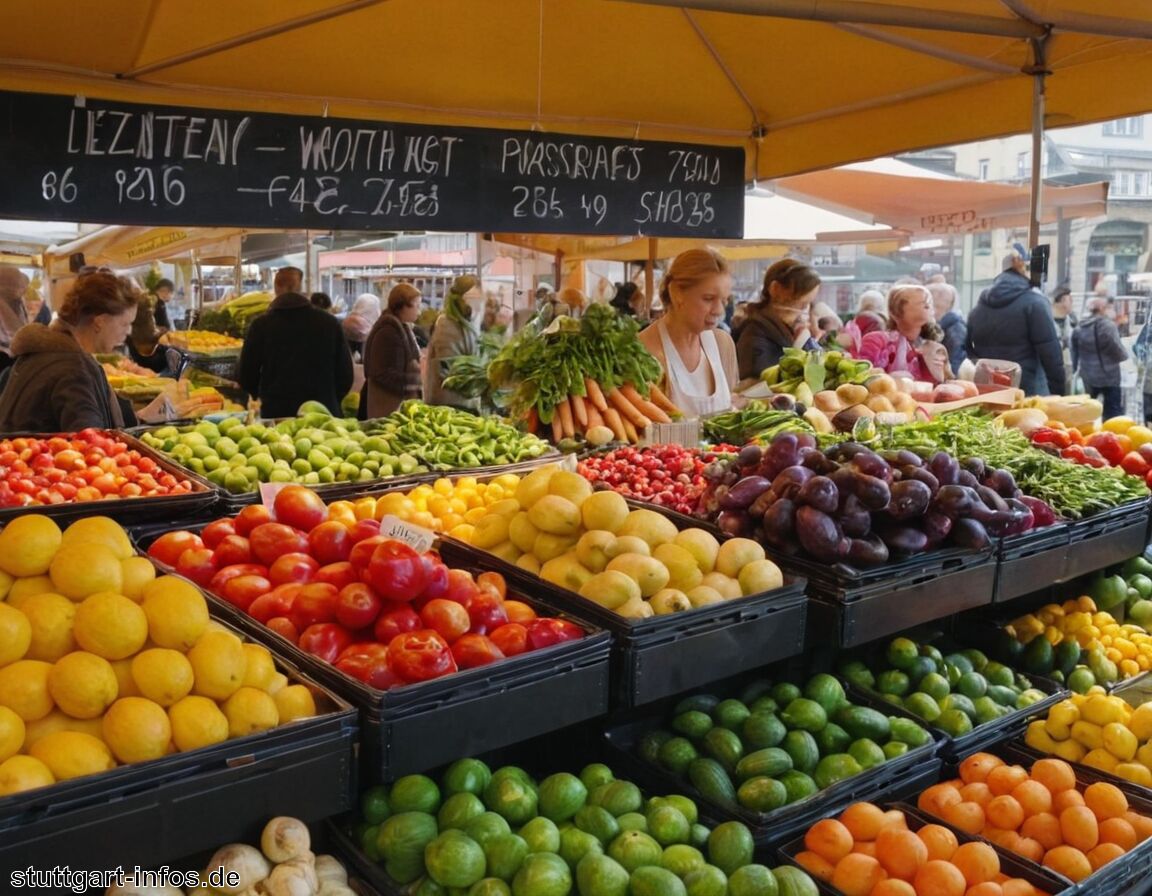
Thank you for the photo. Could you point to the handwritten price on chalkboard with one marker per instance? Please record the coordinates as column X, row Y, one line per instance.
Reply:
column 139, row 185
column 55, row 186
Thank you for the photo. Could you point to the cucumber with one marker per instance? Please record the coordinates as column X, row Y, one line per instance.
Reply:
column 710, row 779
column 724, row 746
column 770, row 762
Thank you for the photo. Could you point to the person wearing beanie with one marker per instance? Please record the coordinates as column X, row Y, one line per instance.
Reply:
column 456, row 333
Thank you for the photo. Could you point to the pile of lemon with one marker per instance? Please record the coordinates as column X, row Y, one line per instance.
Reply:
column 103, row 663
column 450, row 506
column 1099, row 730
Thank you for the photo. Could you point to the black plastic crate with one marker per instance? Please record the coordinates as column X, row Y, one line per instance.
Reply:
column 663, row 655
column 1011, row 864
column 1031, row 560
column 151, row 813
column 1105, row 539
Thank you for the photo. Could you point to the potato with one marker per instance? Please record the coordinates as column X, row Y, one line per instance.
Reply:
column 828, row 401
column 882, row 385
column 903, row 402
column 880, row 404
column 850, row 394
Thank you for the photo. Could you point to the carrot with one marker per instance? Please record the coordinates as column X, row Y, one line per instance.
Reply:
column 630, row 432
column 564, row 412
column 615, row 423
column 579, row 411
column 648, row 408
column 533, row 420
column 662, row 401
column 627, row 410
column 557, row 432
column 594, row 417
column 595, row 395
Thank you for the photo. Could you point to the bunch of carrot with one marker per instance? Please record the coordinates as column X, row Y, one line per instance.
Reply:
column 623, row 410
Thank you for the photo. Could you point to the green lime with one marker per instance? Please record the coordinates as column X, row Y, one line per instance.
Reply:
column 762, row 794
column 954, row 722
column 415, row 793
column 960, row 702
column 988, row 710
column 977, row 659
column 632, row 849
column 458, row 810
column 369, row 839
column 599, row 822
column 596, row 773
column 707, row 881
column 832, row 739
column 923, row 705
column 489, row 886
column 561, row 795
column 655, row 881
column 960, row 661
column 895, row 748
column 504, row 854
column 668, row 825
column 542, row 874
column 731, row 714
column 934, row 685
column 762, row 729
column 676, row 755
column 455, row 860
column 617, row 797
column 682, row 859
column 647, row 748
column 692, row 724
column 512, row 795
column 997, row 673
column 484, row 827
column 541, row 835
column 784, row 693
column 921, row 666
column 797, row 785
column 600, row 875
column 374, row 804
column 835, row 768
column 893, row 681
column 804, row 714
column 1029, row 697
column 1142, row 584
column 867, row 752
column 906, row 731
column 855, row 672
column 575, row 844
column 973, row 685
column 752, row 880
column 933, row 653
column 632, row 821
column 730, row 845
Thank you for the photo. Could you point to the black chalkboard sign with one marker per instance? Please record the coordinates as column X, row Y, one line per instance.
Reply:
column 85, row 159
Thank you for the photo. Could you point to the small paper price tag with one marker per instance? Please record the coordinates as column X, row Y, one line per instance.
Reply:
column 415, row 537
column 268, row 493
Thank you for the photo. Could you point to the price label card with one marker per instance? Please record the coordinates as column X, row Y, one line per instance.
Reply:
column 417, row 538
column 268, row 493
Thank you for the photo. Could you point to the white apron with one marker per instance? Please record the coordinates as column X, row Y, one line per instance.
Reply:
column 680, row 380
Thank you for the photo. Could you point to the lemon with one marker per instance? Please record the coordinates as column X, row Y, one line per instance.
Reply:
column 136, row 729
column 20, row 773
column 278, row 683
column 126, row 684
column 51, row 617
column 197, row 722
column 82, row 684
column 219, row 664
column 162, row 675
column 85, row 568
column 294, row 702
column 249, row 711
column 110, row 625
column 24, row 688
column 261, row 669
column 177, row 612
column 28, row 544
column 71, row 754
column 15, row 634
column 57, row 721
column 100, row 530
column 25, row 587
column 12, row 733
column 136, row 572
column 6, row 582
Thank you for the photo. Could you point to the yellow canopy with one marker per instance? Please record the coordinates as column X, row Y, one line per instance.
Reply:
column 801, row 84
column 130, row 246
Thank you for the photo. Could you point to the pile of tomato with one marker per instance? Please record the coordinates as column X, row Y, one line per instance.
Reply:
column 90, row 465
column 667, row 475
column 372, row 606
column 1108, row 447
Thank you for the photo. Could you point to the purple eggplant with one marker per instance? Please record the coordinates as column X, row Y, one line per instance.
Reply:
column 909, row 499
column 781, row 453
column 968, row 533
column 779, row 522
column 1003, row 482
column 902, row 458
column 819, row 535
column 991, row 498
column 902, row 539
column 944, row 467
column 1042, row 512
column 819, row 492
column 816, row 461
column 856, row 524
column 805, row 440
column 782, row 401
column 761, row 504
column 921, row 474
column 734, row 522
column 873, row 493
column 743, row 493
column 749, row 456
column 976, row 466
column 936, row 526
column 1015, row 519
column 967, row 479
column 871, row 464
column 789, row 480
column 845, row 451
column 954, row 500
column 870, row 551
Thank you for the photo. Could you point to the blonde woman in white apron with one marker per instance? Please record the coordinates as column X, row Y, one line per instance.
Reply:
column 699, row 361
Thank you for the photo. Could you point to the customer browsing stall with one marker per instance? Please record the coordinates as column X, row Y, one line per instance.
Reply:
column 392, row 356
column 912, row 343
column 699, row 361
column 780, row 319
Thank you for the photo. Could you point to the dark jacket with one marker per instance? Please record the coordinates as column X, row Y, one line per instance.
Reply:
column 294, row 352
column 955, row 335
column 1013, row 322
column 55, row 386
column 1097, row 352
column 450, row 339
column 391, row 366
column 763, row 338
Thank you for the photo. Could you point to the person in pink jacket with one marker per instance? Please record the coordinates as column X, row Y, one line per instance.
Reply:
column 911, row 345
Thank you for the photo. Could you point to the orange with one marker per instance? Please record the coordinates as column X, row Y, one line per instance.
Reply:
column 968, row 817
column 938, row 797
column 901, row 853
column 894, row 818
column 941, row 842
column 819, row 867
column 865, row 847
column 1033, row 797
column 1105, row 800
column 999, row 836
column 1066, row 799
column 856, row 875
column 894, row 887
column 976, row 792
column 1055, row 774
column 1017, row 886
column 988, row 888
column 1004, row 812
column 977, row 767
column 937, row 878
column 1069, row 861
column 1003, row 779
column 1118, row 831
column 1030, row 849
column 1141, row 824
column 829, row 839
column 1079, row 827
column 1104, row 853
column 1044, row 827
column 977, row 861
column 863, row 820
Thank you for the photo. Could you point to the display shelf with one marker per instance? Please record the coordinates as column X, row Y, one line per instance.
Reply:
column 1031, row 557
column 1105, row 539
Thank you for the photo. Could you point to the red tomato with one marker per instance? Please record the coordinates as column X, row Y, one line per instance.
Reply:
column 368, row 663
column 241, row 591
column 518, row 611
column 361, row 554
column 233, row 549
column 474, row 650
column 330, row 542
column 396, row 620
column 357, row 606
column 364, row 529
column 277, row 602
column 546, row 632
column 226, row 573
column 396, row 572
column 420, row 655
column 486, row 613
column 461, row 586
column 1134, row 464
column 338, row 574
column 197, row 564
column 283, row 626
column 292, row 568
column 447, row 617
column 325, row 640
column 493, row 583
column 216, row 531
column 437, row 576
column 299, row 507
column 314, row 603
column 250, row 517
column 512, row 639
column 272, row 540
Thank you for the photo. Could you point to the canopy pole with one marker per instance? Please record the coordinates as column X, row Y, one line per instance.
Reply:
column 650, row 275
column 1039, row 72
column 557, row 269
column 308, row 262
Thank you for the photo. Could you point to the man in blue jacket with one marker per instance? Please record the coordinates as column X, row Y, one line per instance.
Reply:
column 1012, row 321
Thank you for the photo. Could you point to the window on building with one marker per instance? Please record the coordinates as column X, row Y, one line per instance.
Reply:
column 983, row 167
column 1131, row 184
column 1125, row 127
column 1024, row 164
